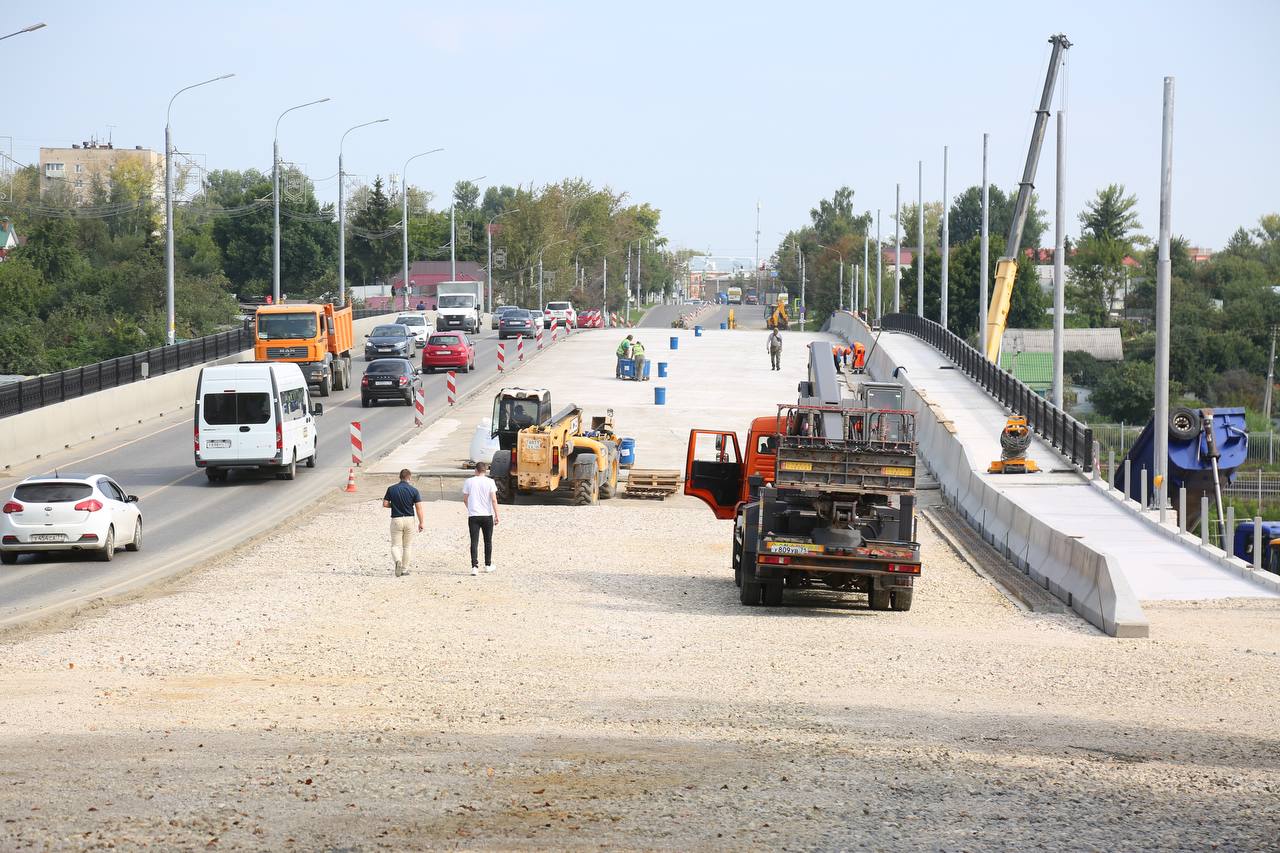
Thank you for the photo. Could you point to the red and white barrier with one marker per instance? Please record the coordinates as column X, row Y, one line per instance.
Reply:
column 502, row 357
column 357, row 444
column 520, row 349
column 419, row 407
column 554, row 323
column 452, row 384
column 591, row 319
column 538, row 336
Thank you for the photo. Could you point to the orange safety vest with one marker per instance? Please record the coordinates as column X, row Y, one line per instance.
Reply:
column 859, row 355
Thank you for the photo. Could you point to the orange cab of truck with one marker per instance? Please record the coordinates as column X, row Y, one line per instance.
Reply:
column 717, row 453
column 316, row 337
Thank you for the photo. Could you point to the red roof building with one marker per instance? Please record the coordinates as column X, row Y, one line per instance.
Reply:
column 425, row 275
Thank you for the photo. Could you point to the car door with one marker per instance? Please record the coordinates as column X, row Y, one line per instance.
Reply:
column 122, row 516
column 713, row 470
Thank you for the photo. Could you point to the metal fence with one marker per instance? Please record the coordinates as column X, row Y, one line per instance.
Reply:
column 53, row 388
column 1055, row 426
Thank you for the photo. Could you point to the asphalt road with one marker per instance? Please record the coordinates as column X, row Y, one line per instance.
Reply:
column 188, row 519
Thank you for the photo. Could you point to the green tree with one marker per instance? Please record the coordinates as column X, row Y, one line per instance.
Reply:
column 375, row 245
column 966, row 216
column 1111, row 216
column 1125, row 392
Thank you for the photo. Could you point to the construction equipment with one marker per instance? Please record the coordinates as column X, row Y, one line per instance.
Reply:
column 538, row 452
column 1015, row 439
column 1007, row 266
column 825, row 496
column 651, row 483
column 778, row 319
column 318, row 338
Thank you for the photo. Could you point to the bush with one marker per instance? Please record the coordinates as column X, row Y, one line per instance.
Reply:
column 1082, row 367
column 1126, row 392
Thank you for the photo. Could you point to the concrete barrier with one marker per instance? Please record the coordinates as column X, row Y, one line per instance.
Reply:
column 1088, row 581
column 32, row 435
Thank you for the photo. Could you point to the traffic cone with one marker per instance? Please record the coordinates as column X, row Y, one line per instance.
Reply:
column 351, row 480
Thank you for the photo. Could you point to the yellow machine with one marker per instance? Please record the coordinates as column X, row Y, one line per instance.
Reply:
column 1015, row 438
column 733, row 323
column 541, row 453
column 779, row 320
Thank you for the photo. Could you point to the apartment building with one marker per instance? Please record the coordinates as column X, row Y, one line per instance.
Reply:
column 77, row 166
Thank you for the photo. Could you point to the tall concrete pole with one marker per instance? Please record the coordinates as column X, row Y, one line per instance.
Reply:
column 840, row 286
column 404, row 226
column 853, row 288
column 984, row 250
column 866, row 271
column 897, row 248
column 275, row 198
column 920, row 242
column 946, row 240
column 604, row 289
column 1271, row 376
column 879, row 273
column 453, row 244
column 1059, row 253
column 342, row 215
column 1163, row 273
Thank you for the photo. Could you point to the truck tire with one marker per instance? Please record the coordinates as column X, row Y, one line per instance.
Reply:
column 609, row 487
column 749, row 590
column 1184, row 424
column 902, row 599
column 325, row 386
column 336, row 371
column 216, row 475
column 586, row 480
column 879, row 599
column 736, row 560
column 773, row 593
column 315, row 454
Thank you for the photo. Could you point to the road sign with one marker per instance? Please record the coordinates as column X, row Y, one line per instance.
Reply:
column 500, row 258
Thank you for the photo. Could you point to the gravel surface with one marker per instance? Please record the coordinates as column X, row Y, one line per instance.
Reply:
column 607, row 690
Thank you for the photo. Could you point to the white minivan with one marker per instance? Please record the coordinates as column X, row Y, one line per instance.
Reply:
column 254, row 415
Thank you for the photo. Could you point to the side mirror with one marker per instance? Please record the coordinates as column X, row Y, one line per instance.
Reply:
column 317, row 409
column 133, row 499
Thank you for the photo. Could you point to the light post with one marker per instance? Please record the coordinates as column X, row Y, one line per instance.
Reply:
column 577, row 272
column 489, row 237
column 275, row 198
column 342, row 215
column 29, row 29
column 840, row 290
column 168, row 195
column 453, row 233
column 404, row 221
column 542, row 304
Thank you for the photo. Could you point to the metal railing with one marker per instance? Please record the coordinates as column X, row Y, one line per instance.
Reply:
column 30, row 394
column 1055, row 426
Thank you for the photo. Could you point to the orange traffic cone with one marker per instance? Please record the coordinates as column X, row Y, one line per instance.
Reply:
column 351, row 480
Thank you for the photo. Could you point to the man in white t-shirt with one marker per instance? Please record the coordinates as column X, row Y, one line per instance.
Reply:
column 480, row 494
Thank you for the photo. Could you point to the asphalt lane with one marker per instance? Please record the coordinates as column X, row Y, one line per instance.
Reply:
column 186, row 518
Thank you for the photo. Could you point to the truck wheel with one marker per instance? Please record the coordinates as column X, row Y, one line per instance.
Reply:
column 773, row 593
column 749, row 590
column 1184, row 424
column 736, row 559
column 585, row 492
column 879, row 599
column 506, row 495
column 325, row 386
column 902, row 599
column 336, row 370
column 315, row 454
column 216, row 475
column 609, row 487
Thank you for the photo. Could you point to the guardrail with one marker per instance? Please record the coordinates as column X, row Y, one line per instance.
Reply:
column 1055, row 426
column 29, row 394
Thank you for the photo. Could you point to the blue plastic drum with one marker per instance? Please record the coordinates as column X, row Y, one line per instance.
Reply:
column 627, row 453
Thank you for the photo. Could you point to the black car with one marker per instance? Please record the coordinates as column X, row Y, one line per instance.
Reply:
column 517, row 322
column 391, row 340
column 498, row 312
column 389, row 379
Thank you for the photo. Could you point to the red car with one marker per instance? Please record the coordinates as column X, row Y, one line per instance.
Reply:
column 448, row 350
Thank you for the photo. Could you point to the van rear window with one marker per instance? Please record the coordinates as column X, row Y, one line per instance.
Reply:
column 52, row 493
column 236, row 408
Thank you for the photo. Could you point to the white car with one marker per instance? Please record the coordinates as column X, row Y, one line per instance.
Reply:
column 419, row 324
column 71, row 512
column 562, row 313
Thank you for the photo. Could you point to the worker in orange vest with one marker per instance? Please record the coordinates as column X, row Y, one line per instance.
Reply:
column 859, row 358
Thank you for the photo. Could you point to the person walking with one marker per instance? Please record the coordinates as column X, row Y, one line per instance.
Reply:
column 405, row 503
column 637, row 354
column 480, row 494
column 623, row 351
column 774, row 348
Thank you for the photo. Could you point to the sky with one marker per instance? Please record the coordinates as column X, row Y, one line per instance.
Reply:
column 701, row 109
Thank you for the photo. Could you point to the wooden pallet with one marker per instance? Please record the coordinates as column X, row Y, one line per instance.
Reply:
column 652, row 483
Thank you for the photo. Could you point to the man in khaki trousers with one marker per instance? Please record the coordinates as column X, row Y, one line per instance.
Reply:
column 405, row 503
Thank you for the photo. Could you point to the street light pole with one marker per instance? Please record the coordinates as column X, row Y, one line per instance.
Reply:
column 489, row 236
column 840, row 288
column 920, row 243
column 168, row 196
column 542, row 304
column 946, row 241
column 984, row 244
column 897, row 248
column 404, row 223
column 29, row 29
column 342, row 216
column 275, row 199
column 879, row 274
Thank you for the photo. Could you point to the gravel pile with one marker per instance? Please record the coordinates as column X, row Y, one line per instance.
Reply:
column 605, row 688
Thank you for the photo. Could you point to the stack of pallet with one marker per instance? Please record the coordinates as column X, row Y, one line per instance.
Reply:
column 652, row 483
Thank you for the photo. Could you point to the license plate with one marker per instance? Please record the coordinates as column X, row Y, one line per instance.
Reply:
column 897, row 472
column 797, row 466
column 384, row 349
column 793, row 548
column 533, row 443
column 48, row 537
column 382, row 383
column 218, row 442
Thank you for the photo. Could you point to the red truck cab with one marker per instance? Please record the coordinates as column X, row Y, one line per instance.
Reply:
column 715, row 471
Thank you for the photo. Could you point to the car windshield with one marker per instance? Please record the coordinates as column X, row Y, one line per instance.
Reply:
column 516, row 314
column 275, row 327
column 411, row 321
column 388, row 332
column 388, row 365
column 52, row 493
column 558, row 306
column 456, row 300
column 501, row 309
column 236, row 407
column 444, row 341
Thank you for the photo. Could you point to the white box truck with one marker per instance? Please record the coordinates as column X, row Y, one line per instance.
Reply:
column 459, row 305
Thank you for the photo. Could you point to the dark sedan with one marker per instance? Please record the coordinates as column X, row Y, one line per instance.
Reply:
column 389, row 379
column 391, row 340
column 498, row 312
column 518, row 322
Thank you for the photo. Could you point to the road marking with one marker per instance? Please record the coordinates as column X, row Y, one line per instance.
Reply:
column 159, row 489
column 111, row 449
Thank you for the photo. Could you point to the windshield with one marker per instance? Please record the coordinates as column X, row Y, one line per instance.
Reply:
column 558, row 306
column 516, row 314
column 298, row 325
column 52, row 493
column 388, row 332
column 444, row 340
column 388, row 365
column 411, row 321
column 457, row 300
column 224, row 409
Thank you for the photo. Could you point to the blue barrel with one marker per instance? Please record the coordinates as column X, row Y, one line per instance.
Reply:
column 697, row 331
column 627, row 453
column 724, row 326
column 662, row 370
column 659, row 395
column 675, row 342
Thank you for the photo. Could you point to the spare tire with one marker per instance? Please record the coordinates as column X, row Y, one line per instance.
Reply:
column 1184, row 423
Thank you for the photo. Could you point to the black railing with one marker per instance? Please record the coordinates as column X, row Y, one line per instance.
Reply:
column 53, row 388
column 1055, row 426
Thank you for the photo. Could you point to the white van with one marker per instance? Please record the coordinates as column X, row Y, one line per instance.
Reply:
column 254, row 415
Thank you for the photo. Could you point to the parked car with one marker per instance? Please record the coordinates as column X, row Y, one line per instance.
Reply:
column 389, row 379
column 752, row 299
column 497, row 314
column 562, row 312
column 390, row 339
column 449, row 349
column 69, row 512
column 256, row 415
column 517, row 323
column 419, row 324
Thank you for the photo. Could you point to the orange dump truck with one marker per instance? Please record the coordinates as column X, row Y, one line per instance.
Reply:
column 318, row 338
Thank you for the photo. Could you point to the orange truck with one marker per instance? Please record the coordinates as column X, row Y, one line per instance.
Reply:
column 316, row 337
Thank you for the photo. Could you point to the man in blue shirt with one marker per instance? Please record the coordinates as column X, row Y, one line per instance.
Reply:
column 405, row 503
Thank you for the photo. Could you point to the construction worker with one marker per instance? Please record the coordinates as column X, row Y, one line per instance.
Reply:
column 623, row 351
column 774, row 348
column 637, row 353
column 859, row 358
column 837, row 352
